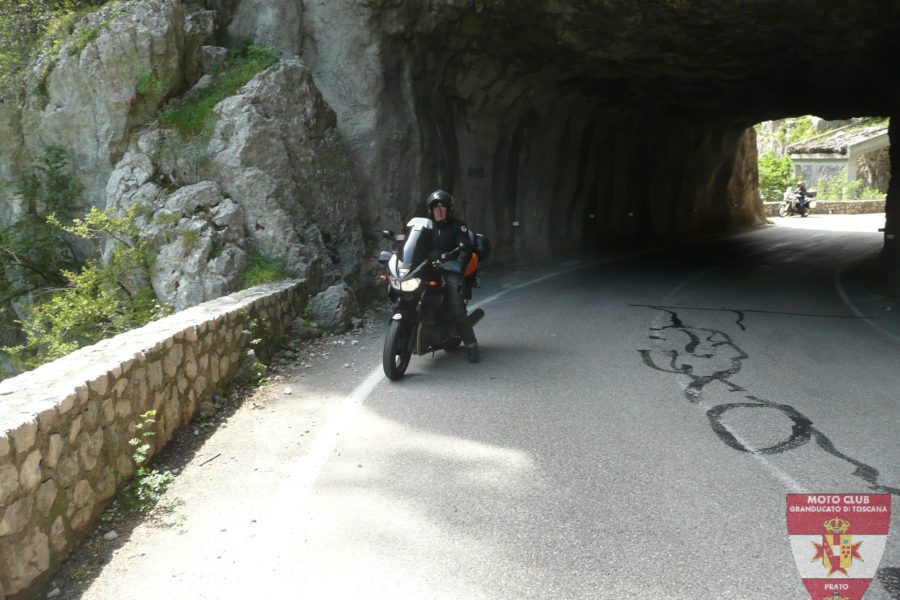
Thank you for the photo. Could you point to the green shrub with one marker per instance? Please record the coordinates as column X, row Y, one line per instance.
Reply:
column 837, row 187
column 262, row 270
column 33, row 253
column 774, row 176
column 32, row 27
column 150, row 85
column 799, row 129
column 99, row 299
column 192, row 115
column 146, row 489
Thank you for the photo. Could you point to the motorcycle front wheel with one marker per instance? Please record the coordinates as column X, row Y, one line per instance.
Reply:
column 396, row 354
column 783, row 210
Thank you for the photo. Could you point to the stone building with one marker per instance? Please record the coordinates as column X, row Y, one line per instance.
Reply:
column 861, row 150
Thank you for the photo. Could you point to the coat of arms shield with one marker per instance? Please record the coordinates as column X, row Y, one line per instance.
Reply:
column 837, row 541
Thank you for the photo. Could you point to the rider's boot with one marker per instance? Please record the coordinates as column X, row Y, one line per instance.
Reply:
column 472, row 352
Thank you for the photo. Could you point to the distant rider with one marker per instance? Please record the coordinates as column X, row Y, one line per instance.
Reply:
column 801, row 193
column 449, row 234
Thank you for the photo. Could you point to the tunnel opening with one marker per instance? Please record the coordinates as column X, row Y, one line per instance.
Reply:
column 563, row 127
column 844, row 160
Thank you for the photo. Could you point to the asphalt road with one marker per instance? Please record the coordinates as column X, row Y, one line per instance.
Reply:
column 631, row 432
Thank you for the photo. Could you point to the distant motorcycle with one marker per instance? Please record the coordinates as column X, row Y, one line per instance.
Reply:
column 421, row 322
column 793, row 203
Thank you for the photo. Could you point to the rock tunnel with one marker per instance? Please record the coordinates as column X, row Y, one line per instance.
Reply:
column 560, row 125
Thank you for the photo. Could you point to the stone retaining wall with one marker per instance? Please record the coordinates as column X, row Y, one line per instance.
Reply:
column 64, row 448
column 835, row 207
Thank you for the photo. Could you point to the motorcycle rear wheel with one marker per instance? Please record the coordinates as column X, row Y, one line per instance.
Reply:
column 396, row 354
column 804, row 211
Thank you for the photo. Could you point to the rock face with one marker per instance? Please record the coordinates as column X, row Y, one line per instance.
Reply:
column 333, row 309
column 202, row 254
column 277, row 149
column 271, row 179
column 93, row 97
column 274, row 177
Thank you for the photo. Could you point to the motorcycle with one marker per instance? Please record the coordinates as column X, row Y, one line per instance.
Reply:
column 421, row 319
column 793, row 203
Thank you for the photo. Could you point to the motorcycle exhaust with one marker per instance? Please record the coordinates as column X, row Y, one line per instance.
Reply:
column 475, row 316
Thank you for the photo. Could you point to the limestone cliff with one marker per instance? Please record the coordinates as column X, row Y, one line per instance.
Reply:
column 272, row 176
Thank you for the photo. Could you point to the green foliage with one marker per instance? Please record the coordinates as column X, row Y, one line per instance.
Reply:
column 150, row 85
column 101, row 299
column 774, row 176
column 34, row 253
column 31, row 27
column 80, row 574
column 189, row 237
column 163, row 218
column 837, row 187
column 262, row 270
column 144, row 491
column 791, row 130
column 799, row 128
column 252, row 371
column 192, row 115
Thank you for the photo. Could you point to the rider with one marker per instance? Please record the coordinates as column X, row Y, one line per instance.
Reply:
column 801, row 193
column 451, row 233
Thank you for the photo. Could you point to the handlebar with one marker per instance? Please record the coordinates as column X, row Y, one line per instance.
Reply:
column 435, row 264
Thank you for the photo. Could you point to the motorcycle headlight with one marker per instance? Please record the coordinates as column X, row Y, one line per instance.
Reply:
column 410, row 285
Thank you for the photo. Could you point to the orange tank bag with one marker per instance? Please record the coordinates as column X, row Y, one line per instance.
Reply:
column 472, row 266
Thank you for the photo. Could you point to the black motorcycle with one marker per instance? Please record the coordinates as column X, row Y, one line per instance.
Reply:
column 793, row 203
column 421, row 319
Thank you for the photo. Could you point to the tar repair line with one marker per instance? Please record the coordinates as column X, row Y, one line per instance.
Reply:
column 779, row 474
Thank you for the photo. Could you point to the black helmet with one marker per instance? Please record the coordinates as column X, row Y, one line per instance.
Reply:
column 439, row 196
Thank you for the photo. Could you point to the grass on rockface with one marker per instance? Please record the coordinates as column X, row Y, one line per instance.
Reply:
column 262, row 269
column 31, row 28
column 192, row 114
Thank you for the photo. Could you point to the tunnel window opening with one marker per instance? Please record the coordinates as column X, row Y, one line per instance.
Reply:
column 842, row 160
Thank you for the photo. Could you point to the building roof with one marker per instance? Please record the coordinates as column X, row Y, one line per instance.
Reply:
column 837, row 141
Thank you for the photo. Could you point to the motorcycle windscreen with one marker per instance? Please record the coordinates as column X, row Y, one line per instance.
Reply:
column 418, row 242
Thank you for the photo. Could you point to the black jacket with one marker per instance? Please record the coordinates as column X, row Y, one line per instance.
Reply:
column 450, row 233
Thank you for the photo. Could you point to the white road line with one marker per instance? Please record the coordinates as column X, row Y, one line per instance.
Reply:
column 304, row 471
column 853, row 308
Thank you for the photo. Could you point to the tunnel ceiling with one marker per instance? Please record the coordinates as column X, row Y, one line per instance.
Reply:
column 748, row 60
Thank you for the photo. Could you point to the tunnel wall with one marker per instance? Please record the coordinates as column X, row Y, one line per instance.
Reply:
column 891, row 250
column 568, row 175
column 424, row 107
column 66, row 426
